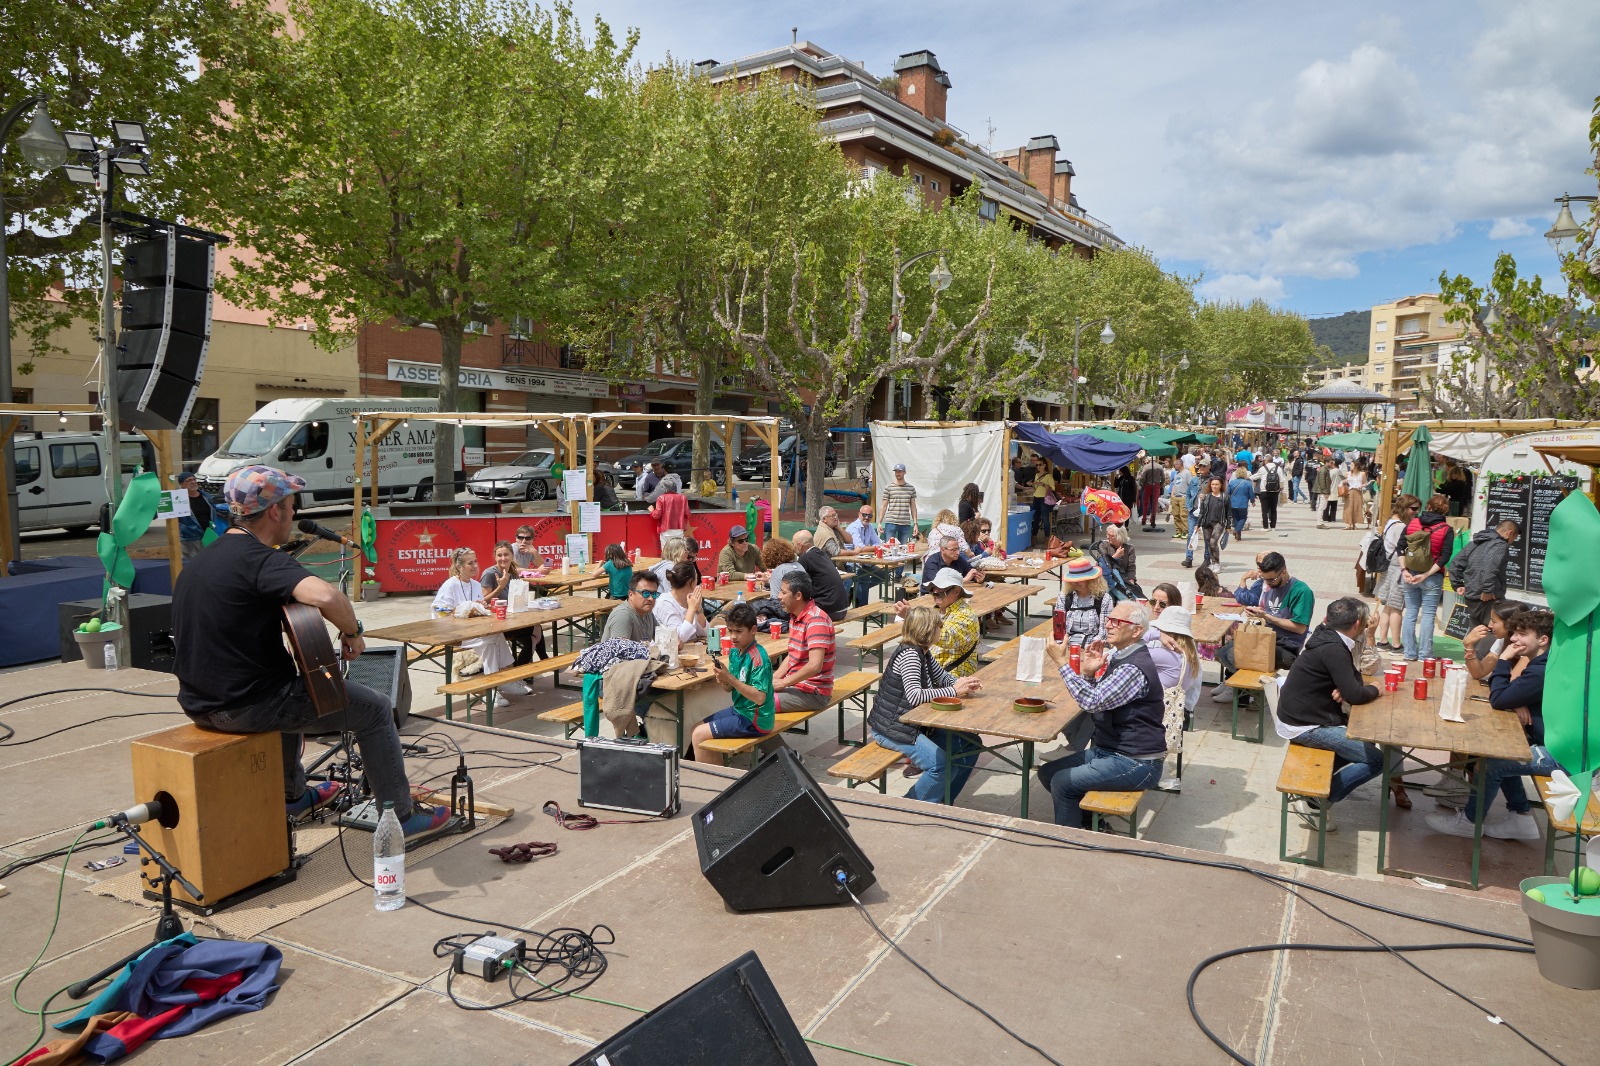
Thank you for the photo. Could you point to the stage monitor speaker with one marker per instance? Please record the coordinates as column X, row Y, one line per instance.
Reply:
column 384, row 670
column 150, row 644
column 733, row 1016
column 774, row 839
column 225, row 828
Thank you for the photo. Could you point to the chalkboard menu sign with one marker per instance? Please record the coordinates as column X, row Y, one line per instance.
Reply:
column 1528, row 501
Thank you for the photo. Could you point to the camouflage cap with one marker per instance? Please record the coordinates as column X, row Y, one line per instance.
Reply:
column 252, row 489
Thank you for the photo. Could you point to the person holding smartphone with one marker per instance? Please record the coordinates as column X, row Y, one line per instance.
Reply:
column 748, row 676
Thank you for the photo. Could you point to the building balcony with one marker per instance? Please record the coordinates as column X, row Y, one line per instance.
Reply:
column 524, row 352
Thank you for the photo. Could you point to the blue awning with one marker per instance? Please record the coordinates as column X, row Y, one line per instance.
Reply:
column 1081, row 451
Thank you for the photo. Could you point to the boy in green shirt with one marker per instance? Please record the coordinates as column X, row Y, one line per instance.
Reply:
column 748, row 676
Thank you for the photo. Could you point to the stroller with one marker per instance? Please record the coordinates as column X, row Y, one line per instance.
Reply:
column 1116, row 581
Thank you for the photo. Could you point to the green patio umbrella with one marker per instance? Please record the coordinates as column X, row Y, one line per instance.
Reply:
column 1419, row 467
column 1150, row 444
column 1360, row 442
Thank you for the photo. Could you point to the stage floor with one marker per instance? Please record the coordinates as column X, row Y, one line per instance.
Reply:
column 1081, row 948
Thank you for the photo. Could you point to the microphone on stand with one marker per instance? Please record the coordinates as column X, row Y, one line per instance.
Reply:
column 149, row 811
column 310, row 528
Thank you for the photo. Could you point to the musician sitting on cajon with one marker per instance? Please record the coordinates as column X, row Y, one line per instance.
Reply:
column 236, row 676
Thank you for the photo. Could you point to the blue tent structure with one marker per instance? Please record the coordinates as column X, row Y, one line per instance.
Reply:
column 1081, row 450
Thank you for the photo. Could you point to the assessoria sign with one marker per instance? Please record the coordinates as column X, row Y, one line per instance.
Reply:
column 483, row 378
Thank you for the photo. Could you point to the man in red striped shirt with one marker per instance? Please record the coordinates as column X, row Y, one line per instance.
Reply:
column 806, row 681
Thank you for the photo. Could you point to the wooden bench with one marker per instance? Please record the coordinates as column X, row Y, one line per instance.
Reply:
column 863, row 614
column 1244, row 681
column 1307, row 774
column 873, row 643
column 856, row 686
column 1103, row 805
column 782, row 722
column 569, row 717
column 1565, row 828
column 867, row 763
column 484, row 685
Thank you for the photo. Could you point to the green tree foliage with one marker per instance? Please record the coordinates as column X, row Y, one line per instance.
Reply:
column 1249, row 352
column 1345, row 336
column 436, row 162
column 1535, row 357
column 127, row 59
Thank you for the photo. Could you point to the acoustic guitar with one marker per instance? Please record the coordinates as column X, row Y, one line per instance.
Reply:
column 316, row 656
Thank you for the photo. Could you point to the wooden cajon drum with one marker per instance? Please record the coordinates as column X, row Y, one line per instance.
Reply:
column 229, row 831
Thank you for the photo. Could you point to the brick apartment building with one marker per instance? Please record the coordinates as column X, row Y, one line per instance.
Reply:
column 895, row 124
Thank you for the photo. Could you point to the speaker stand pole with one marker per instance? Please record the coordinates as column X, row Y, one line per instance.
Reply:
column 167, row 927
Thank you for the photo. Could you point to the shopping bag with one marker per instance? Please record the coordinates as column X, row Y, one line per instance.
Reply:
column 1255, row 647
column 1030, row 659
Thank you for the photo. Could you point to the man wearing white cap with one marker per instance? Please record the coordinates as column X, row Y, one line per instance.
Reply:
column 236, row 676
column 900, row 508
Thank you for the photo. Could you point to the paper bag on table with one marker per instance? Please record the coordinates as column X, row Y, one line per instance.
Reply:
column 1454, row 695
column 1255, row 647
column 666, row 643
column 1030, row 659
column 517, row 595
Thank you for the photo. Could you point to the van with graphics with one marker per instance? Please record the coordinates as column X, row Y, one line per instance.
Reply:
column 315, row 439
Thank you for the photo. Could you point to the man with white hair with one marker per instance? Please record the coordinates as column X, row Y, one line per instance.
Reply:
column 949, row 557
column 1126, row 705
column 830, row 537
column 831, row 594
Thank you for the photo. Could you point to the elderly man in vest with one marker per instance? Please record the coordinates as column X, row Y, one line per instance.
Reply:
column 1126, row 706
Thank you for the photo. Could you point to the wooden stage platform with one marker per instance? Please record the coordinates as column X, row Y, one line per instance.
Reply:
column 1083, row 948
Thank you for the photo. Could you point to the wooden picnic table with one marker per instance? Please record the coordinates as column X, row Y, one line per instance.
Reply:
column 677, row 682
column 1397, row 721
column 447, row 633
column 990, row 712
column 985, row 599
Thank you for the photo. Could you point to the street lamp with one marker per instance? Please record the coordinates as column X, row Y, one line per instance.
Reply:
column 1566, row 227
column 1106, row 337
column 43, row 147
column 939, row 280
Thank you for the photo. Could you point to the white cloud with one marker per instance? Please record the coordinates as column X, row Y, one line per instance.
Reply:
column 1506, row 228
column 1241, row 288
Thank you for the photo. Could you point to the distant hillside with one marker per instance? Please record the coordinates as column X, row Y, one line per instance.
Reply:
column 1345, row 334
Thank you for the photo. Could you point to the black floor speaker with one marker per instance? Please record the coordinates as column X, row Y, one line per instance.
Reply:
column 733, row 1016
column 774, row 839
column 384, row 671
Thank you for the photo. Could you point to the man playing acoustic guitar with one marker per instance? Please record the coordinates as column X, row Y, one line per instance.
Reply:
column 236, row 676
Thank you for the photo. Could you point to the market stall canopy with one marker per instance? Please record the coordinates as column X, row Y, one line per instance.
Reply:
column 1360, row 442
column 1176, row 437
column 1082, row 450
column 1152, row 445
column 1342, row 393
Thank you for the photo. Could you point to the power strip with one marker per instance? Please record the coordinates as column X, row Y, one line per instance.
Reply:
column 488, row 956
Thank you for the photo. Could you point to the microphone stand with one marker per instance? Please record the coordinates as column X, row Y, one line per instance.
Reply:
column 168, row 926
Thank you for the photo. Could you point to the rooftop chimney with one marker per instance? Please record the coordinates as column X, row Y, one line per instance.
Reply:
column 1038, row 163
column 1061, row 191
column 924, row 85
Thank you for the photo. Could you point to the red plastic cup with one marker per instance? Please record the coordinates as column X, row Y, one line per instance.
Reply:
column 1399, row 668
column 777, row 629
column 1391, row 682
column 1075, row 657
column 722, row 578
column 726, row 641
column 1199, row 601
column 500, row 609
column 878, row 550
column 1430, row 667
column 1419, row 688
column 708, row 583
column 749, row 584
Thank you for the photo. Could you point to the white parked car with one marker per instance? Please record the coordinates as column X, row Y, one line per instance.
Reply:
column 527, row 477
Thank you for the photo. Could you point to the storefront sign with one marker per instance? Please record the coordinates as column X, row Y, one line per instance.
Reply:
column 485, row 379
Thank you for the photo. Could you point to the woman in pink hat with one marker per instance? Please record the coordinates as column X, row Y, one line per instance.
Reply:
column 1086, row 600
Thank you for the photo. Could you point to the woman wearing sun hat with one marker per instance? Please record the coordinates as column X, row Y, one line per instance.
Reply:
column 1177, row 660
column 1086, row 600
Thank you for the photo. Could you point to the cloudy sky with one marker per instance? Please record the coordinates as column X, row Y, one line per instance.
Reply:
column 1325, row 156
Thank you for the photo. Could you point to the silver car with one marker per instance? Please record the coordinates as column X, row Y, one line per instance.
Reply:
column 527, row 477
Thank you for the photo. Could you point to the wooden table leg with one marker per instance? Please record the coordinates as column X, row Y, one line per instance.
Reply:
column 449, row 662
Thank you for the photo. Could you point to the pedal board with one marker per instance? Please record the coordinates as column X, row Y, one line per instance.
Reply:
column 364, row 816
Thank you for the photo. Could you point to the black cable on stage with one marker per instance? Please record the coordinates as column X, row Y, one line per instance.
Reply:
column 1002, row 1026
column 1194, row 976
column 7, row 742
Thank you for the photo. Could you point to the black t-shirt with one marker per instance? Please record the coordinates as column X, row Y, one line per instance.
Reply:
column 935, row 562
column 826, row 584
column 965, row 510
column 227, row 623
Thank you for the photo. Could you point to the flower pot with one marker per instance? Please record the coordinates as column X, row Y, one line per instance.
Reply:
column 93, row 645
column 1565, row 945
column 371, row 590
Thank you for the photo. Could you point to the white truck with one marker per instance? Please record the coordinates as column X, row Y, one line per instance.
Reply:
column 315, row 439
column 61, row 482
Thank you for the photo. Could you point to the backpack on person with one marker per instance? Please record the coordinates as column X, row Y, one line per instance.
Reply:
column 1378, row 556
column 1419, row 550
column 1272, row 484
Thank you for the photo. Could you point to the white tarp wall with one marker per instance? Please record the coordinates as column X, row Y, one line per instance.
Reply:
column 939, row 462
column 1469, row 448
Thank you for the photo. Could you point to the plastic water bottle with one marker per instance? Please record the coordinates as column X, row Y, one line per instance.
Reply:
column 111, row 655
column 388, row 862
column 739, row 596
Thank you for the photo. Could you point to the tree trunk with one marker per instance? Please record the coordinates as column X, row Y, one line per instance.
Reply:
column 705, row 393
column 444, row 439
column 816, row 437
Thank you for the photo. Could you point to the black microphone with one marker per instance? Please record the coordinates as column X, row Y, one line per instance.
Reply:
column 149, row 811
column 307, row 526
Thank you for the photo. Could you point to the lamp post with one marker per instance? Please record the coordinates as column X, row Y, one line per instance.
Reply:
column 939, row 278
column 1106, row 337
column 44, row 148
column 1566, row 227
